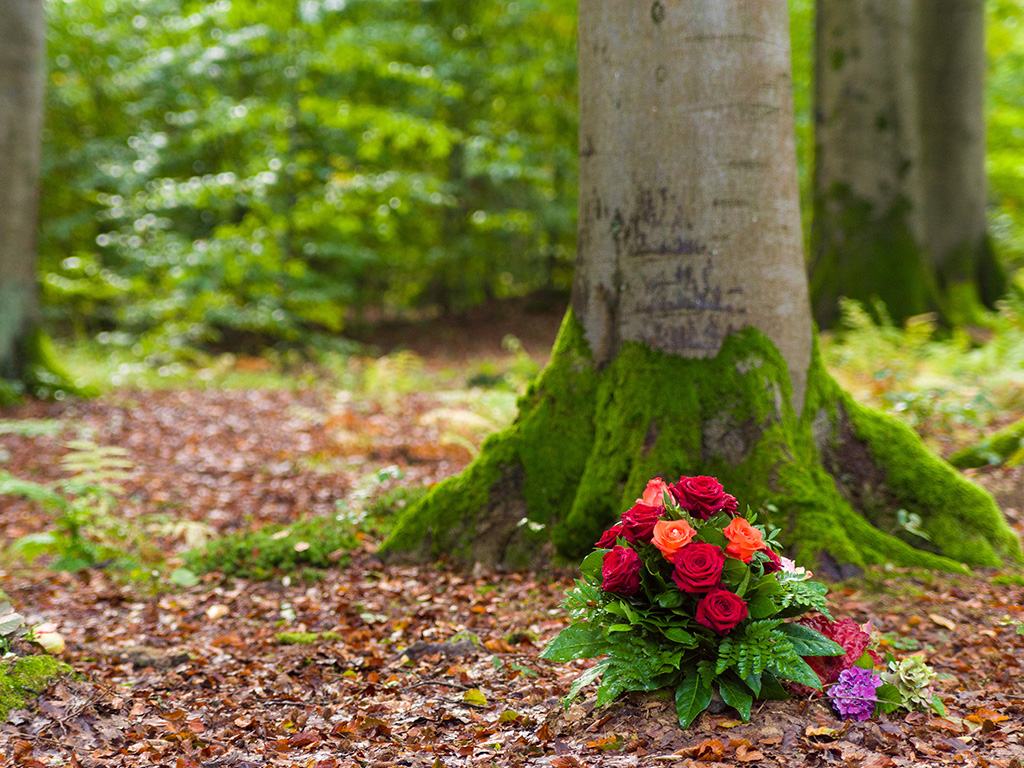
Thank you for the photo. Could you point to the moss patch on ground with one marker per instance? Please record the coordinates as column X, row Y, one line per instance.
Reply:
column 833, row 477
column 24, row 677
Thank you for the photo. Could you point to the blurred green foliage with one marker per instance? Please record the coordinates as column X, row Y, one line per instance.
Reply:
column 231, row 173
column 234, row 172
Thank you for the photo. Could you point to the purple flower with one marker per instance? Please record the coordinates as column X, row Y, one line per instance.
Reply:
column 853, row 695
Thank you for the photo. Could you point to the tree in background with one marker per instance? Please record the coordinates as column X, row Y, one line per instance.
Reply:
column 899, row 183
column 688, row 348
column 21, row 115
column 242, row 172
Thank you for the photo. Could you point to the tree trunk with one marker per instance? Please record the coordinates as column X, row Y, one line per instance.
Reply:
column 867, row 226
column 899, row 193
column 689, row 348
column 951, row 80
column 21, row 115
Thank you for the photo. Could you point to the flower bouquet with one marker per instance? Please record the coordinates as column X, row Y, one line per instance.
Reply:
column 685, row 594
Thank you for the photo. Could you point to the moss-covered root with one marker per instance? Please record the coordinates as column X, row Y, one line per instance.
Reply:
column 42, row 374
column 881, row 468
column 1006, row 445
column 500, row 509
column 586, row 442
column 23, row 679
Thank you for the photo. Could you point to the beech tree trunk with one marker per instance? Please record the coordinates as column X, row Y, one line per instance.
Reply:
column 899, row 193
column 867, row 225
column 21, row 115
column 951, row 103
column 688, row 348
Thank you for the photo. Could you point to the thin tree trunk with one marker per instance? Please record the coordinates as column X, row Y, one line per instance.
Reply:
column 21, row 114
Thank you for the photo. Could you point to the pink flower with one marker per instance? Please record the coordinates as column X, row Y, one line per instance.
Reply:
column 654, row 493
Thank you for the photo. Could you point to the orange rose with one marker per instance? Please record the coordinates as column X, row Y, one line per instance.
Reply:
column 671, row 535
column 654, row 493
column 744, row 539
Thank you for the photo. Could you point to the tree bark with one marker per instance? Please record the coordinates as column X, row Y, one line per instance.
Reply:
column 21, row 114
column 951, row 102
column 689, row 349
column 867, row 224
column 899, row 193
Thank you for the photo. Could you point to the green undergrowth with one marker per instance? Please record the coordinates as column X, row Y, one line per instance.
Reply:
column 586, row 442
column 23, row 678
column 317, row 542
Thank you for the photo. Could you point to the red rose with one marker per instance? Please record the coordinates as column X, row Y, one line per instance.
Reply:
column 638, row 522
column 774, row 563
column 703, row 496
column 721, row 610
column 698, row 567
column 845, row 632
column 609, row 537
column 621, row 571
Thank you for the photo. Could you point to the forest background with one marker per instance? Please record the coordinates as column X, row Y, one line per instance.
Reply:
column 236, row 194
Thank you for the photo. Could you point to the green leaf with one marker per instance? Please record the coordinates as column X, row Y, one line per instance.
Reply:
column 677, row 635
column 810, row 642
column 753, row 681
column 889, row 699
column 771, row 688
column 736, row 695
column 588, row 676
column 797, row 670
column 671, row 599
column 475, row 697
column 581, row 640
column 865, row 661
column 937, row 706
column 591, row 565
column 761, row 606
column 692, row 697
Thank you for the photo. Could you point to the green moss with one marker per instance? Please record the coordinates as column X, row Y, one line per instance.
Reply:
column 586, row 442
column 25, row 678
column 994, row 449
column 264, row 553
column 530, row 471
column 42, row 374
column 305, row 638
column 867, row 255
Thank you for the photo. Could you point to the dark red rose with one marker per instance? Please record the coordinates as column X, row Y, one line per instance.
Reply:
column 638, row 522
column 608, row 538
column 698, row 567
column 721, row 610
column 774, row 563
column 703, row 497
column 849, row 635
column 621, row 571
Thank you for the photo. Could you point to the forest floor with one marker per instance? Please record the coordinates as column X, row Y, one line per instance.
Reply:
column 411, row 666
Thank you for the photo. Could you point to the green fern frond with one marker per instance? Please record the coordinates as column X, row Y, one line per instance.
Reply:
column 803, row 596
column 753, row 650
column 96, row 467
